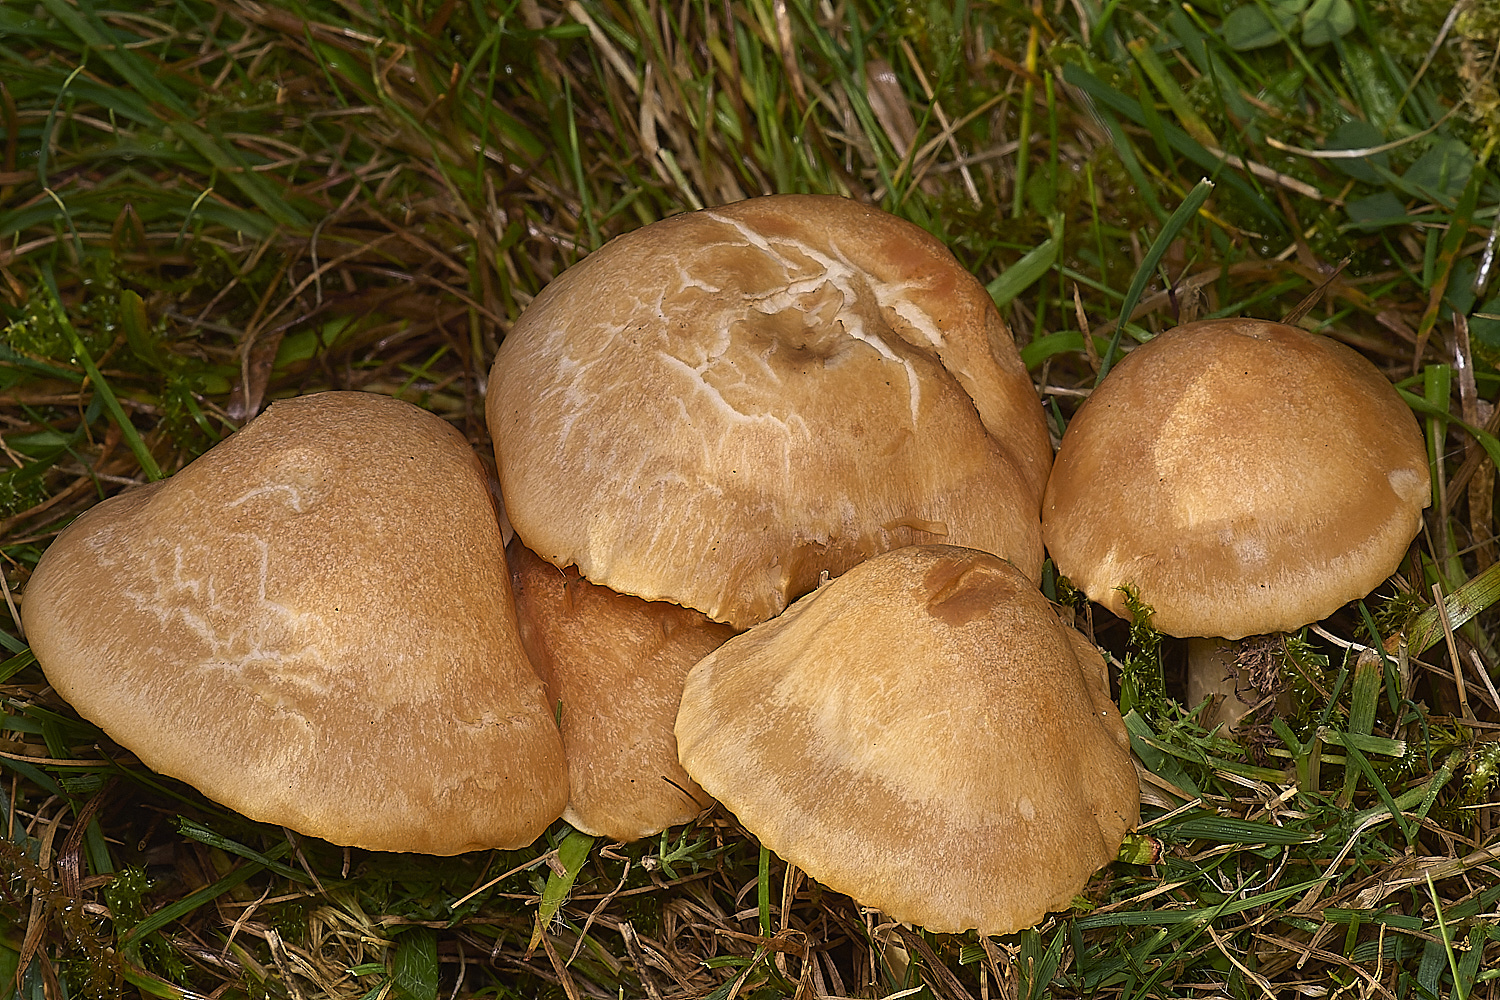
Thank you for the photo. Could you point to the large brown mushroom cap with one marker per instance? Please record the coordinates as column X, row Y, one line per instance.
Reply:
column 615, row 664
column 924, row 735
column 1245, row 476
column 718, row 408
column 312, row 624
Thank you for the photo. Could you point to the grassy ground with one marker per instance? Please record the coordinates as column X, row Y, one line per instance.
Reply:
column 207, row 205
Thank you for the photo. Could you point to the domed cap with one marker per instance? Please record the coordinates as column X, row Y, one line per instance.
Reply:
column 615, row 664
column 922, row 734
column 1244, row 476
column 313, row 625
column 718, row 408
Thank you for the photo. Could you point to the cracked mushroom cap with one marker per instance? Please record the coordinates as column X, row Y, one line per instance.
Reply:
column 719, row 407
column 924, row 735
column 615, row 664
column 313, row 625
column 1244, row 476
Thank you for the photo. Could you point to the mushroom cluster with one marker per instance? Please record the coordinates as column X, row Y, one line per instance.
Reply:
column 724, row 410
column 777, row 478
column 315, row 623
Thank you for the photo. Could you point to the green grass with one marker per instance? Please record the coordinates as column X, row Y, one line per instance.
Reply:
column 207, row 206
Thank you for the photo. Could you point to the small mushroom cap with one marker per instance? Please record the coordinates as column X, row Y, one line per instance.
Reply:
column 1244, row 476
column 922, row 734
column 313, row 625
column 616, row 664
column 716, row 409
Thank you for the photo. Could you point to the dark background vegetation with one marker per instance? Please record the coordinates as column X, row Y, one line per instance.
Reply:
column 208, row 205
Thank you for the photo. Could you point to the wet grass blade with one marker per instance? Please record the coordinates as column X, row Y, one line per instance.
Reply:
column 1195, row 915
column 1452, row 243
column 204, row 835
column 1229, row 830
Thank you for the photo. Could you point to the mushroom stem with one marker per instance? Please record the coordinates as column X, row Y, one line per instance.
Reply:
column 1213, row 670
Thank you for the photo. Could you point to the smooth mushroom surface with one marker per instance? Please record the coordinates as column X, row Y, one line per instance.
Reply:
column 721, row 407
column 1244, row 476
column 312, row 624
column 614, row 664
column 924, row 735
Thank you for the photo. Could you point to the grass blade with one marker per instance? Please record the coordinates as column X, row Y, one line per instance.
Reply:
column 132, row 939
column 571, row 854
column 1479, row 594
column 1143, row 274
column 1029, row 269
column 111, row 401
column 415, row 966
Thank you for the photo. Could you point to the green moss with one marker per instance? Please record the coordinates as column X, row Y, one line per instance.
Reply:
column 1142, row 684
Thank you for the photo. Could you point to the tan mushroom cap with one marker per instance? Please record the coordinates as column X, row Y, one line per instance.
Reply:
column 716, row 409
column 1245, row 476
column 924, row 735
column 313, row 625
column 616, row 665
